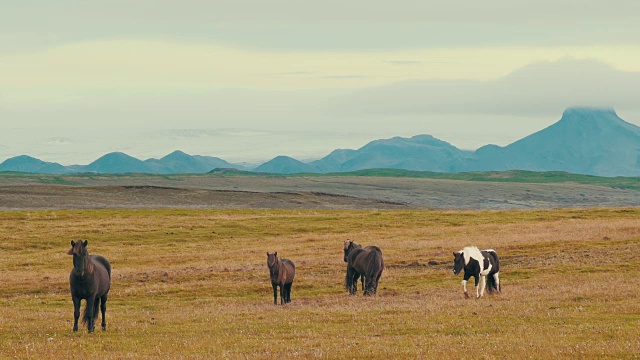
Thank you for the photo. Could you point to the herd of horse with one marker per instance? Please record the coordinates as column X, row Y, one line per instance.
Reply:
column 90, row 278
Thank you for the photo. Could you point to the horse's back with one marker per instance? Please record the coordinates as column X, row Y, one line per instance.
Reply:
column 373, row 248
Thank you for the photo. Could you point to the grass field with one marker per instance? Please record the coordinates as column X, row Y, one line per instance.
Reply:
column 509, row 176
column 194, row 284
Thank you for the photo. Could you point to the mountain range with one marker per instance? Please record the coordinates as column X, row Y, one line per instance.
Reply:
column 592, row 141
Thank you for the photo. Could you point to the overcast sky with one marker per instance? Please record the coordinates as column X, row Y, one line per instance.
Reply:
column 250, row 80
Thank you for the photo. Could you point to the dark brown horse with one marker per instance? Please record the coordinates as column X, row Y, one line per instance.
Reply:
column 282, row 272
column 366, row 263
column 90, row 279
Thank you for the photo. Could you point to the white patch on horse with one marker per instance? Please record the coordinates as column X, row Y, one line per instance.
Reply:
column 471, row 252
column 483, row 284
column 464, row 288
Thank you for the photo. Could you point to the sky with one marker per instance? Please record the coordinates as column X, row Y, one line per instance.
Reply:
column 250, row 80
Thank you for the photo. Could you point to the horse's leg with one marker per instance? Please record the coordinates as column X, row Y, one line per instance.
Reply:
column 349, row 284
column 483, row 285
column 288, row 292
column 354, row 283
column 96, row 308
column 477, row 279
column 103, row 310
column 76, row 312
column 370, row 289
column 275, row 293
column 283, row 292
column 465, row 278
column 88, row 310
column 366, row 288
column 496, row 279
column 362, row 281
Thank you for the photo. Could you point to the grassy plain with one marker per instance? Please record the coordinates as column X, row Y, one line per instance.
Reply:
column 194, row 284
column 508, row 176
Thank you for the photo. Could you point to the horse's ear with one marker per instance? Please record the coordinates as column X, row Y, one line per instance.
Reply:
column 85, row 243
column 73, row 243
column 275, row 253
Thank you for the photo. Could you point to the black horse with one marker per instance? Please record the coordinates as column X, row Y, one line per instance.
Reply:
column 282, row 272
column 363, row 262
column 482, row 265
column 90, row 279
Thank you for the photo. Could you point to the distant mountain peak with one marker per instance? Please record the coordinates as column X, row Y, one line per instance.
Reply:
column 586, row 140
column 589, row 111
column 177, row 154
column 26, row 163
column 285, row 165
column 593, row 119
column 116, row 155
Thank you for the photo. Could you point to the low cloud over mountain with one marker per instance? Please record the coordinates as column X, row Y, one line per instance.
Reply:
column 542, row 88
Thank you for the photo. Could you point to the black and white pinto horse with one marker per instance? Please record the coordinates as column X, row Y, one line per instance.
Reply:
column 481, row 264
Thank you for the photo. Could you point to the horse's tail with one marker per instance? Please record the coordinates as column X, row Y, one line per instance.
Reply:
column 374, row 271
column 491, row 284
column 85, row 314
column 491, row 281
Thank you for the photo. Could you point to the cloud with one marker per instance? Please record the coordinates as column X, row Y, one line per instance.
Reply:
column 416, row 62
column 326, row 25
column 293, row 73
column 59, row 141
column 339, row 77
column 542, row 88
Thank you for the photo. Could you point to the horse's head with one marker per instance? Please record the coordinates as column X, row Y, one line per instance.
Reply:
column 272, row 259
column 79, row 248
column 348, row 246
column 458, row 262
column 80, row 254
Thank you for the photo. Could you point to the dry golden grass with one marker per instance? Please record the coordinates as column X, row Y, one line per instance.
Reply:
column 194, row 284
